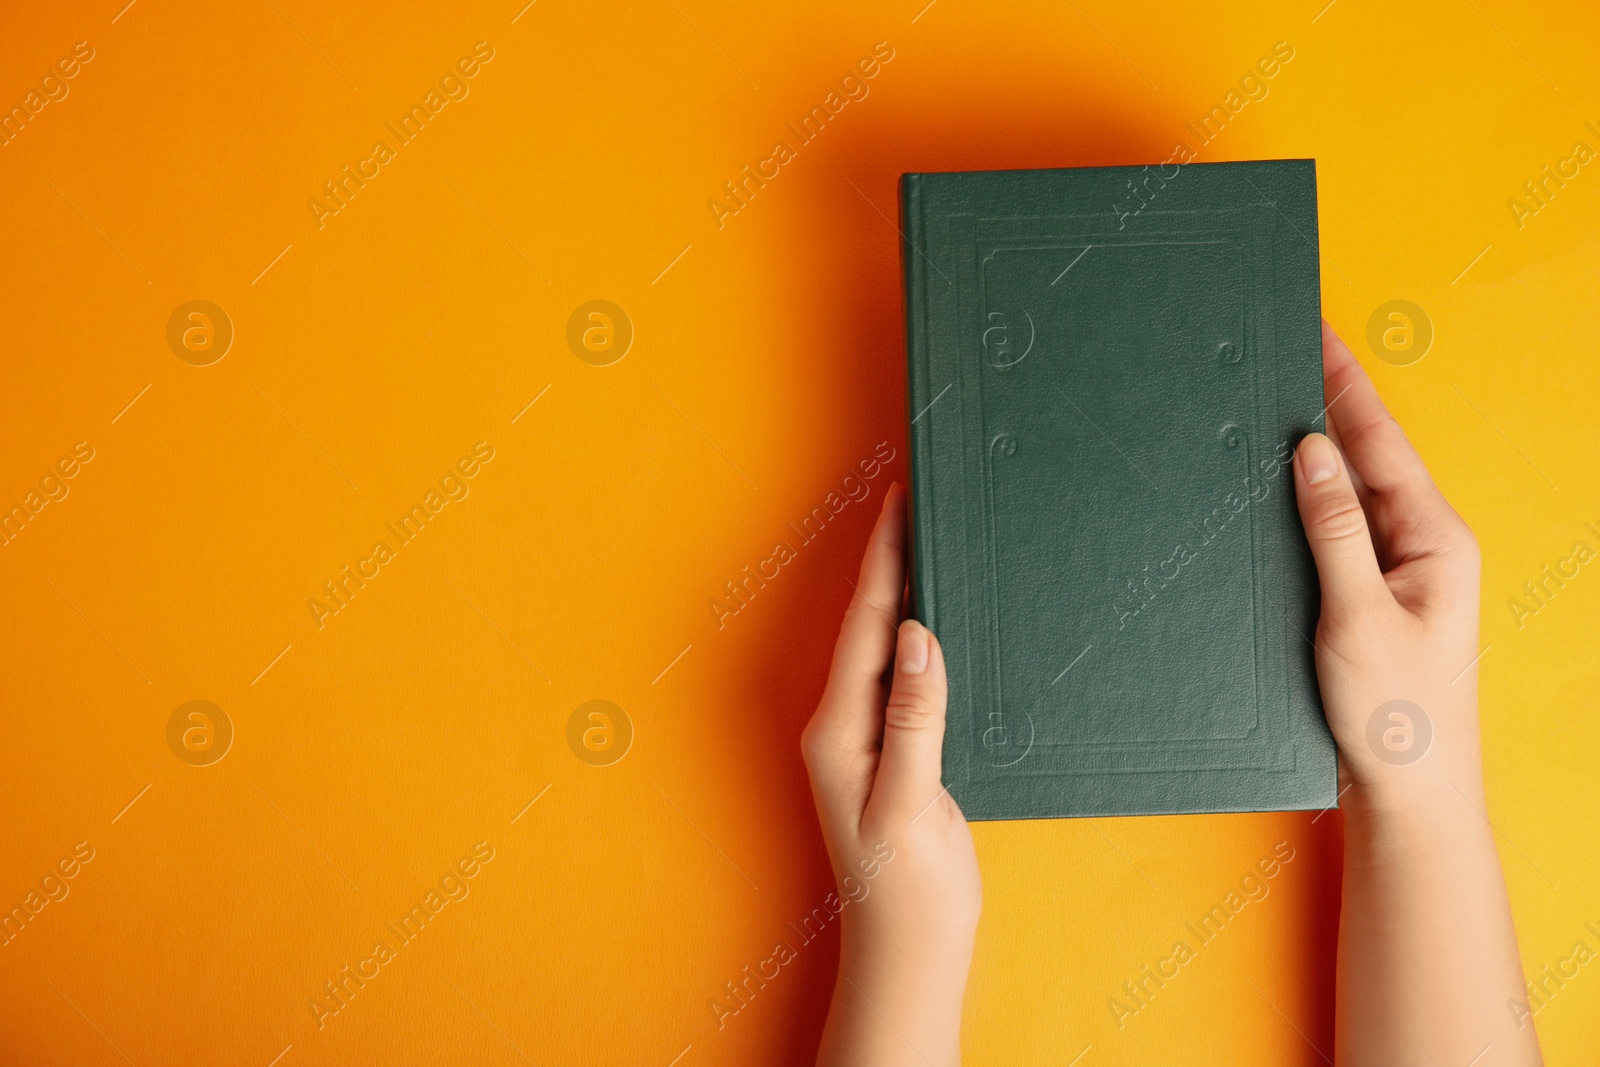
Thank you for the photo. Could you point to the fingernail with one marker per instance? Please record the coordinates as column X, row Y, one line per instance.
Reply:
column 1318, row 462
column 912, row 651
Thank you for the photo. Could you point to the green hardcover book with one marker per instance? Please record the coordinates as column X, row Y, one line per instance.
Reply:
column 1109, row 370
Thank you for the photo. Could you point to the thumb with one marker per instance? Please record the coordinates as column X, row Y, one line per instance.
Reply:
column 913, row 726
column 1336, row 527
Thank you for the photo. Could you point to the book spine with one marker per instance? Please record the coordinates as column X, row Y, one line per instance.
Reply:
column 919, row 502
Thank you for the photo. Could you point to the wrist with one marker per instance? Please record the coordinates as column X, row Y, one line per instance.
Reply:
column 928, row 968
column 918, row 983
column 1386, row 823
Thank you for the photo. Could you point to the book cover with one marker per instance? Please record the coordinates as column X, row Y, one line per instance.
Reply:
column 1109, row 369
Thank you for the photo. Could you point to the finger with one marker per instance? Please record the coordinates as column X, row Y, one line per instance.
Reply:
column 1333, row 352
column 840, row 744
column 1336, row 529
column 1407, row 510
column 913, row 727
column 867, row 635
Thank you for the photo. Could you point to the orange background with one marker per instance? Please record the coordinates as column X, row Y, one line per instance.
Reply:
column 767, row 361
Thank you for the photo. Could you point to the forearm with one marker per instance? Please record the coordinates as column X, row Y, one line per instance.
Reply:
column 890, row 1009
column 1428, row 965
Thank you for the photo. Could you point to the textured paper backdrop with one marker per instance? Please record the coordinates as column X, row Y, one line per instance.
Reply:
column 383, row 750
